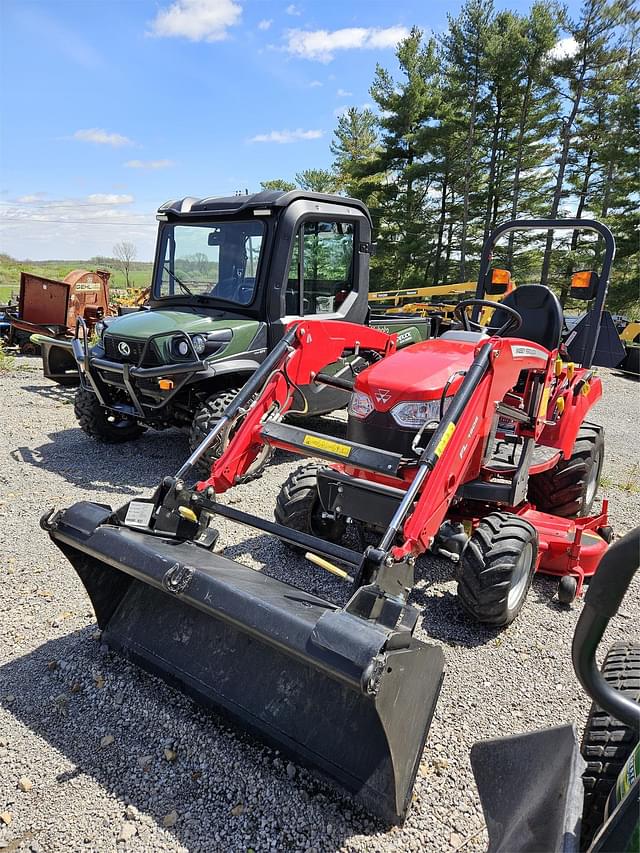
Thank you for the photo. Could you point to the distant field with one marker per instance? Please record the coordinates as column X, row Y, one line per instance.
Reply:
column 10, row 269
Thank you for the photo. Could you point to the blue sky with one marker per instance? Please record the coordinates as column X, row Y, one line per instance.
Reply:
column 109, row 108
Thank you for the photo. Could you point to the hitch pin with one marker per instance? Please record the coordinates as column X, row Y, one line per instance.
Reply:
column 327, row 566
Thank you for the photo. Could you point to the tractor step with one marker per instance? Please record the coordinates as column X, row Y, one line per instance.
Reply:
column 307, row 443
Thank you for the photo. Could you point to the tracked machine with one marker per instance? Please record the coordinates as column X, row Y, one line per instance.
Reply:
column 474, row 445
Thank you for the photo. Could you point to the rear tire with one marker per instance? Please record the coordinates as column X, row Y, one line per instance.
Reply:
column 607, row 743
column 497, row 567
column 102, row 424
column 569, row 488
column 631, row 362
column 298, row 506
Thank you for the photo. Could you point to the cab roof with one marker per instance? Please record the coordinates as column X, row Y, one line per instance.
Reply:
column 225, row 205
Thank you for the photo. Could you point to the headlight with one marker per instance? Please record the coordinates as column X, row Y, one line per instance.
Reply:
column 181, row 347
column 360, row 405
column 415, row 413
column 199, row 343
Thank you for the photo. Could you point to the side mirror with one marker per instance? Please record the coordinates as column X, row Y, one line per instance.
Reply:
column 584, row 284
column 498, row 282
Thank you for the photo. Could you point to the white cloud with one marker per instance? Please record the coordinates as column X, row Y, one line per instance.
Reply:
column 315, row 84
column 340, row 111
column 564, row 49
column 102, row 137
column 265, row 24
column 292, row 9
column 73, row 228
column 342, row 93
column 148, row 164
column 31, row 198
column 197, row 20
column 283, row 137
column 109, row 198
column 321, row 45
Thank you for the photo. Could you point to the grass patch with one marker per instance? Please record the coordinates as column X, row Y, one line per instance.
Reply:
column 10, row 269
column 7, row 362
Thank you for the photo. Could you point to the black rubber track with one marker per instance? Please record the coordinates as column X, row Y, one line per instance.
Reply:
column 93, row 419
column 486, row 569
column 298, row 505
column 607, row 743
column 562, row 489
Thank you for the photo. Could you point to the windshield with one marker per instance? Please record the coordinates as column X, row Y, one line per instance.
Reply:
column 218, row 260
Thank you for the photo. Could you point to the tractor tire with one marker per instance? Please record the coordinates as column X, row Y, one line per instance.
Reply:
column 206, row 417
column 298, row 506
column 102, row 424
column 631, row 363
column 569, row 488
column 607, row 743
column 496, row 568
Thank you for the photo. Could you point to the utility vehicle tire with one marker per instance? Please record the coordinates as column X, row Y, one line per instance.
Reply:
column 102, row 424
column 497, row 567
column 206, row 417
column 607, row 743
column 298, row 506
column 570, row 487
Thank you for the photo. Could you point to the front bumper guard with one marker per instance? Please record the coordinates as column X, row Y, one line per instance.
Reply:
column 89, row 366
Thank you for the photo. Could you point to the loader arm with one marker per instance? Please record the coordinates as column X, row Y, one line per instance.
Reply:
column 314, row 345
column 455, row 453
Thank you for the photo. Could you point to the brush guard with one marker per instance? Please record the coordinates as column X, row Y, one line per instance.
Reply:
column 349, row 691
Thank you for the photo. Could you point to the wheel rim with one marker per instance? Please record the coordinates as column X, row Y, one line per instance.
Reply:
column 520, row 576
column 592, row 482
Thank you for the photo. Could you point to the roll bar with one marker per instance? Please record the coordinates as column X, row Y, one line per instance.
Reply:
column 565, row 225
column 601, row 603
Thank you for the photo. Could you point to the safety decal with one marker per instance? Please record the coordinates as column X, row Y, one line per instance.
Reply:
column 326, row 445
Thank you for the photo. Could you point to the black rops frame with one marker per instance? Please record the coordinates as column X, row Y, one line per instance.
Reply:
column 552, row 225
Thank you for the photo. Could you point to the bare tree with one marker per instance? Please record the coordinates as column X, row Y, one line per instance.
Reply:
column 125, row 253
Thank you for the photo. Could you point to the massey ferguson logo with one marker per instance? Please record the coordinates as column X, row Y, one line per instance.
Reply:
column 382, row 395
column 124, row 348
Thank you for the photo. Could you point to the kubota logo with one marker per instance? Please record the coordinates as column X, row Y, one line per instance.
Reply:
column 124, row 348
column 382, row 395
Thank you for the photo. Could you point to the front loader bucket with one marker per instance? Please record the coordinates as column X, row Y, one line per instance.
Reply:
column 319, row 682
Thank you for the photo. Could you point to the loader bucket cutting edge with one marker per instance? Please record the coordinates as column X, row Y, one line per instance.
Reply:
column 287, row 665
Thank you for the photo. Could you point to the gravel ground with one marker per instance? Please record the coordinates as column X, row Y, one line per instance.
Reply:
column 97, row 755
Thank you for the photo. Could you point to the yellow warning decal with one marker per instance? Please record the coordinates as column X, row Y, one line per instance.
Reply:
column 327, row 445
column 446, row 438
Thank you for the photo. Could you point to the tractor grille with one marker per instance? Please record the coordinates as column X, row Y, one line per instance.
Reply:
column 113, row 350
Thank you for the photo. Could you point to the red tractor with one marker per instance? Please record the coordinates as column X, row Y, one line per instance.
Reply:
column 474, row 445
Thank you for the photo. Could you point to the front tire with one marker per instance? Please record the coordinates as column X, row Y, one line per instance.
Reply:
column 298, row 506
column 570, row 487
column 497, row 567
column 206, row 417
column 607, row 743
column 103, row 424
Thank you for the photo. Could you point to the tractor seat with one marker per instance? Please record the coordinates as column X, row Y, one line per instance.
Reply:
column 541, row 313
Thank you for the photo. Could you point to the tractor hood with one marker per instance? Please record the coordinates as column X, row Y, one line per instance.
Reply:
column 417, row 372
column 144, row 324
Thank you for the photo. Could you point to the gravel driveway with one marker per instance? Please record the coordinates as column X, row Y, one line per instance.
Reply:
column 97, row 755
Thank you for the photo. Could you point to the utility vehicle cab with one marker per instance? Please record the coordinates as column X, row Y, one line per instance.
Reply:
column 230, row 274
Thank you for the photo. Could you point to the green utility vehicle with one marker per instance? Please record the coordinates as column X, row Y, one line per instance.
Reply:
column 229, row 275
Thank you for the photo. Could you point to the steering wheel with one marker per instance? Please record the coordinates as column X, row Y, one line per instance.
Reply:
column 513, row 323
